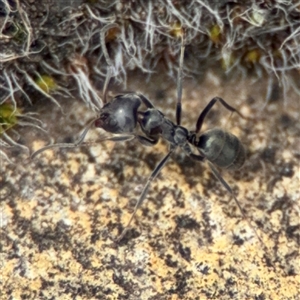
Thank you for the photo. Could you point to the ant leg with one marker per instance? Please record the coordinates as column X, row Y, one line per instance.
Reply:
column 196, row 157
column 106, row 83
column 65, row 145
column 127, row 137
column 146, row 141
column 120, row 138
column 146, row 101
column 187, row 149
column 153, row 175
column 142, row 139
column 228, row 188
column 179, row 80
column 209, row 107
column 107, row 58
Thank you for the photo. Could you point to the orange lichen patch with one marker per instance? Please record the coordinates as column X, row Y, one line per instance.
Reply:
column 7, row 267
column 81, row 219
column 37, row 144
column 78, row 63
column 42, row 262
column 112, row 34
column 23, row 284
column 26, row 207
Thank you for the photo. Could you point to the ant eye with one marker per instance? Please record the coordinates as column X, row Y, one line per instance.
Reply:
column 101, row 121
column 109, row 123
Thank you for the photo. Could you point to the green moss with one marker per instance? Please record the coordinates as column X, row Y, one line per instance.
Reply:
column 8, row 117
column 18, row 33
column 215, row 34
column 46, row 83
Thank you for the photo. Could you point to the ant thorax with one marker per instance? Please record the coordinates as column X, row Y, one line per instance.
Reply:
column 151, row 121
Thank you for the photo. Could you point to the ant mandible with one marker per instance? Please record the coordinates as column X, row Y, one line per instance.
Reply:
column 121, row 116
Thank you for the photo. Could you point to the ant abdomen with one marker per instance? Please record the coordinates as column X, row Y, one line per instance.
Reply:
column 222, row 148
column 120, row 114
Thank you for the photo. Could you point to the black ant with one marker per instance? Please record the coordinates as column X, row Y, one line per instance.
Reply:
column 121, row 116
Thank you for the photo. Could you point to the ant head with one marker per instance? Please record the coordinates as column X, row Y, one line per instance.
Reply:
column 119, row 115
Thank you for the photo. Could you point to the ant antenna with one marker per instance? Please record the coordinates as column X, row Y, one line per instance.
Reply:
column 179, row 79
column 107, row 58
column 65, row 145
column 229, row 190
